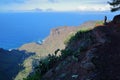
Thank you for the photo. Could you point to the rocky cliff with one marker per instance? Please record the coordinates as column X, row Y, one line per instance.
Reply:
column 56, row 39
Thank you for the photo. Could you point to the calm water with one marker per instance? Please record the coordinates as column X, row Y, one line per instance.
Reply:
column 17, row 29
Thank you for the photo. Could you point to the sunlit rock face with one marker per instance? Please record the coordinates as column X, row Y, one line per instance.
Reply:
column 55, row 40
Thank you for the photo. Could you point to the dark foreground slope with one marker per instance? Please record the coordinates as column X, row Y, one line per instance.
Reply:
column 11, row 63
column 89, row 55
column 99, row 60
column 108, row 60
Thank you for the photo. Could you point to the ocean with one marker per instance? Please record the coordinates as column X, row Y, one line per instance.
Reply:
column 20, row 28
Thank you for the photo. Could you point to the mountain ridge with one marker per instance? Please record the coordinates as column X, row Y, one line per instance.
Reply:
column 55, row 35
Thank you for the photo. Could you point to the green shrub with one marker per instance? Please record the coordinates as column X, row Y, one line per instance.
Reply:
column 35, row 76
column 44, row 65
column 66, row 52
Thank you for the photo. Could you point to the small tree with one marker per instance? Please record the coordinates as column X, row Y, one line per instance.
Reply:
column 115, row 5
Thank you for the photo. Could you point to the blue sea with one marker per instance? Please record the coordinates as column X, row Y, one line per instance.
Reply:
column 20, row 28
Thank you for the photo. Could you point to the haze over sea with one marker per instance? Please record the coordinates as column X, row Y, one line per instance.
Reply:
column 17, row 29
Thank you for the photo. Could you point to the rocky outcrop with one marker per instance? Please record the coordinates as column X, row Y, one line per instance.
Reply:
column 116, row 19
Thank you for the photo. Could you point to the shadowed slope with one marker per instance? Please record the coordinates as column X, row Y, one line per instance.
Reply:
column 11, row 63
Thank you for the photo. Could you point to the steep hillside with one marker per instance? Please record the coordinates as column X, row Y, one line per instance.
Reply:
column 99, row 61
column 11, row 63
column 88, row 55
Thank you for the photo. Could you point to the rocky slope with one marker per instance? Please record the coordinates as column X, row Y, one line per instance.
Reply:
column 95, row 56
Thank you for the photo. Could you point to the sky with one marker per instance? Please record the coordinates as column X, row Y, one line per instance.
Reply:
column 54, row 5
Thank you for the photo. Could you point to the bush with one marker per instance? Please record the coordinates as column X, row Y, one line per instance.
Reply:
column 44, row 65
column 66, row 52
column 35, row 76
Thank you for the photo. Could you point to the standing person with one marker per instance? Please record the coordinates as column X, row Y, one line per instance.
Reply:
column 105, row 20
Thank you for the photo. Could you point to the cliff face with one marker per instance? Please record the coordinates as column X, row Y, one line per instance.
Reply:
column 55, row 40
column 11, row 63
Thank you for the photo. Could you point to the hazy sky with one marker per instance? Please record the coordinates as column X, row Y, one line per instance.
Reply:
column 54, row 5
